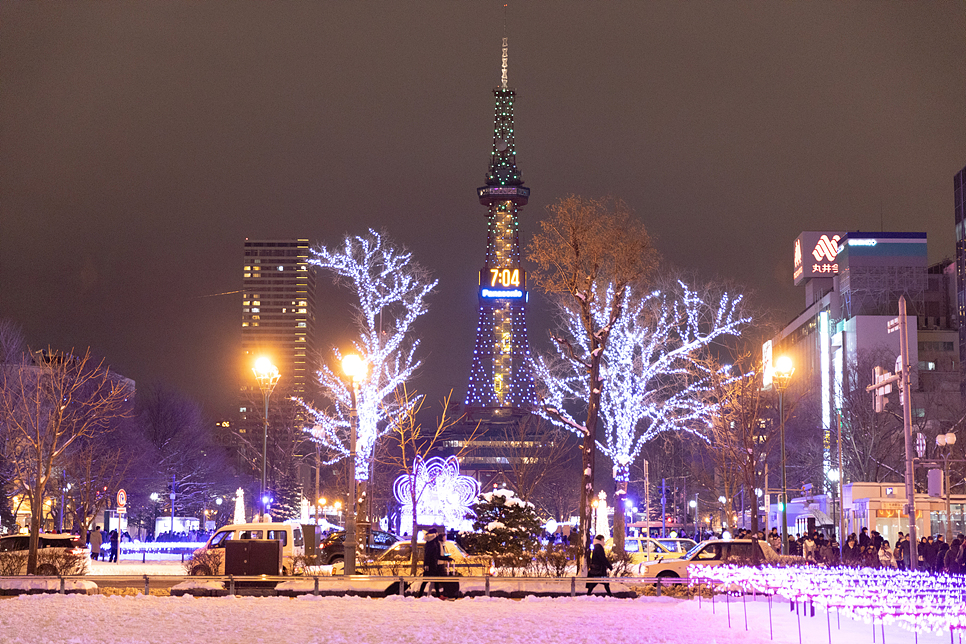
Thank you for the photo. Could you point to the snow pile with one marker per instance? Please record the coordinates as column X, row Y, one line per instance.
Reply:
column 50, row 584
column 509, row 498
column 80, row 619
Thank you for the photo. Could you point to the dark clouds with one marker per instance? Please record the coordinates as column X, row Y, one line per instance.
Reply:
column 142, row 142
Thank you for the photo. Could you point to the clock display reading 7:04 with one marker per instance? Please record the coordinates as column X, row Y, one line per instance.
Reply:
column 503, row 278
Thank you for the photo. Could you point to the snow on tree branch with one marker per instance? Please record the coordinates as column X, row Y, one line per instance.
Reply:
column 392, row 291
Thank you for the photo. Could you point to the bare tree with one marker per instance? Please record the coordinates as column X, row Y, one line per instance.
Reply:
column 416, row 444
column 95, row 466
column 586, row 249
column 744, row 425
column 47, row 407
column 179, row 448
column 532, row 450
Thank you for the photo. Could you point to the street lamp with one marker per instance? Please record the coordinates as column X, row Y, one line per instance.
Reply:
column 694, row 504
column 782, row 375
column 267, row 376
column 355, row 368
column 947, row 440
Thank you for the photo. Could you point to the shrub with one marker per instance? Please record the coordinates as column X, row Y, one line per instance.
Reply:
column 204, row 562
column 507, row 529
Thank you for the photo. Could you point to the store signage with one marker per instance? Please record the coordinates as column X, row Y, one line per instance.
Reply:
column 816, row 255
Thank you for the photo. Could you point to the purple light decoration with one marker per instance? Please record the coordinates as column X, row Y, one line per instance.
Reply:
column 443, row 495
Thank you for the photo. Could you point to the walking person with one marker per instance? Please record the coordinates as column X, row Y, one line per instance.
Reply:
column 115, row 542
column 96, row 540
column 432, row 566
column 599, row 565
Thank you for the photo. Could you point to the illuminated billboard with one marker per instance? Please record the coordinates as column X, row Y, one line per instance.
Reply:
column 816, row 255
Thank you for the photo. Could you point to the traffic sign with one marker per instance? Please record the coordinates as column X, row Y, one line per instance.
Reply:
column 121, row 498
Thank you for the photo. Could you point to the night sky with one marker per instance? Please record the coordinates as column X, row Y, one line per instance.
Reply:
column 141, row 142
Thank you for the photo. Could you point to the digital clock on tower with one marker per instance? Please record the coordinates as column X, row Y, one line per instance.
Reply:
column 503, row 278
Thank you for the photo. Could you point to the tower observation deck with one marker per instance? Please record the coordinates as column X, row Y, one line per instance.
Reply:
column 501, row 380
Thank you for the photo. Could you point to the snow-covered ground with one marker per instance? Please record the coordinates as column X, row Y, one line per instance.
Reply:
column 137, row 568
column 55, row 619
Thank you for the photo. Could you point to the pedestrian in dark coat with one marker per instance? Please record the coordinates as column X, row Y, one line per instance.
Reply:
column 115, row 539
column 432, row 566
column 599, row 564
column 952, row 564
column 941, row 549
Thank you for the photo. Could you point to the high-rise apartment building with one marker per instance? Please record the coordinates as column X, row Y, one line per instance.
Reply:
column 959, row 203
column 278, row 320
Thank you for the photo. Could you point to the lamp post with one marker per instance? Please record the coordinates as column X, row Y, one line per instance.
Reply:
column 267, row 376
column 63, row 500
column 947, row 440
column 783, row 373
column 355, row 368
column 694, row 504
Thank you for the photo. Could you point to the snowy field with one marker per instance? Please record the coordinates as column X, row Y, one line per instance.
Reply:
column 49, row 619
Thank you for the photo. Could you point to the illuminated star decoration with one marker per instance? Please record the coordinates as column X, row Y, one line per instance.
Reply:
column 392, row 290
column 443, row 495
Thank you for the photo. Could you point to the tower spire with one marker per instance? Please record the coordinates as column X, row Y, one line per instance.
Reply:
column 503, row 70
column 501, row 381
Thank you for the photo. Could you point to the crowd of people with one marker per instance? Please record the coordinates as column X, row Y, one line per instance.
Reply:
column 870, row 550
column 191, row 536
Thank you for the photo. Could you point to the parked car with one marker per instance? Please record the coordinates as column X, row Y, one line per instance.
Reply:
column 397, row 561
column 643, row 549
column 711, row 553
column 57, row 554
column 332, row 548
column 290, row 535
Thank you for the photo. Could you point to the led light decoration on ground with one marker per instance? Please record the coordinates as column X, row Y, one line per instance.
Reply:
column 915, row 601
column 443, row 495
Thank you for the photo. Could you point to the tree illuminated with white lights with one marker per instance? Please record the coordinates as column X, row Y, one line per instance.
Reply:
column 651, row 379
column 391, row 292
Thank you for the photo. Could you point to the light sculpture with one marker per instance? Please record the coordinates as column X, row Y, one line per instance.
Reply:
column 443, row 495
column 913, row 600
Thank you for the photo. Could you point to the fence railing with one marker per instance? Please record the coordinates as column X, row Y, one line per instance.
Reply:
column 486, row 584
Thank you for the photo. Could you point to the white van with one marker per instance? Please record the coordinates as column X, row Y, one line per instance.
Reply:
column 290, row 536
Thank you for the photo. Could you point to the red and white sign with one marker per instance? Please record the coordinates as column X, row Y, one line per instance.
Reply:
column 815, row 255
column 121, row 498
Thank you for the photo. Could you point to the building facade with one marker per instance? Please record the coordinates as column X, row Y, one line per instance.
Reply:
column 959, row 207
column 853, row 282
column 278, row 321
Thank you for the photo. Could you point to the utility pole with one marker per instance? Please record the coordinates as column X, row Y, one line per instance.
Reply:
column 883, row 386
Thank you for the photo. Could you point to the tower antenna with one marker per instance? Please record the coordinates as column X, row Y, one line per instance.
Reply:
column 503, row 70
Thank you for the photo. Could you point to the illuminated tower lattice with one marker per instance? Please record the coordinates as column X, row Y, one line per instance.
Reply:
column 500, row 379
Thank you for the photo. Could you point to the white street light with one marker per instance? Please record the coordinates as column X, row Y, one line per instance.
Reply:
column 267, row 376
column 783, row 374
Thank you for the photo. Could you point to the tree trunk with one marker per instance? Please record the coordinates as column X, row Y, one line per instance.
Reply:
column 412, row 540
column 620, row 491
column 589, row 453
column 36, row 507
column 622, row 474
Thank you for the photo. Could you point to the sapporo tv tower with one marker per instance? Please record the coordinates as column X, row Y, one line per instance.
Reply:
column 501, row 380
